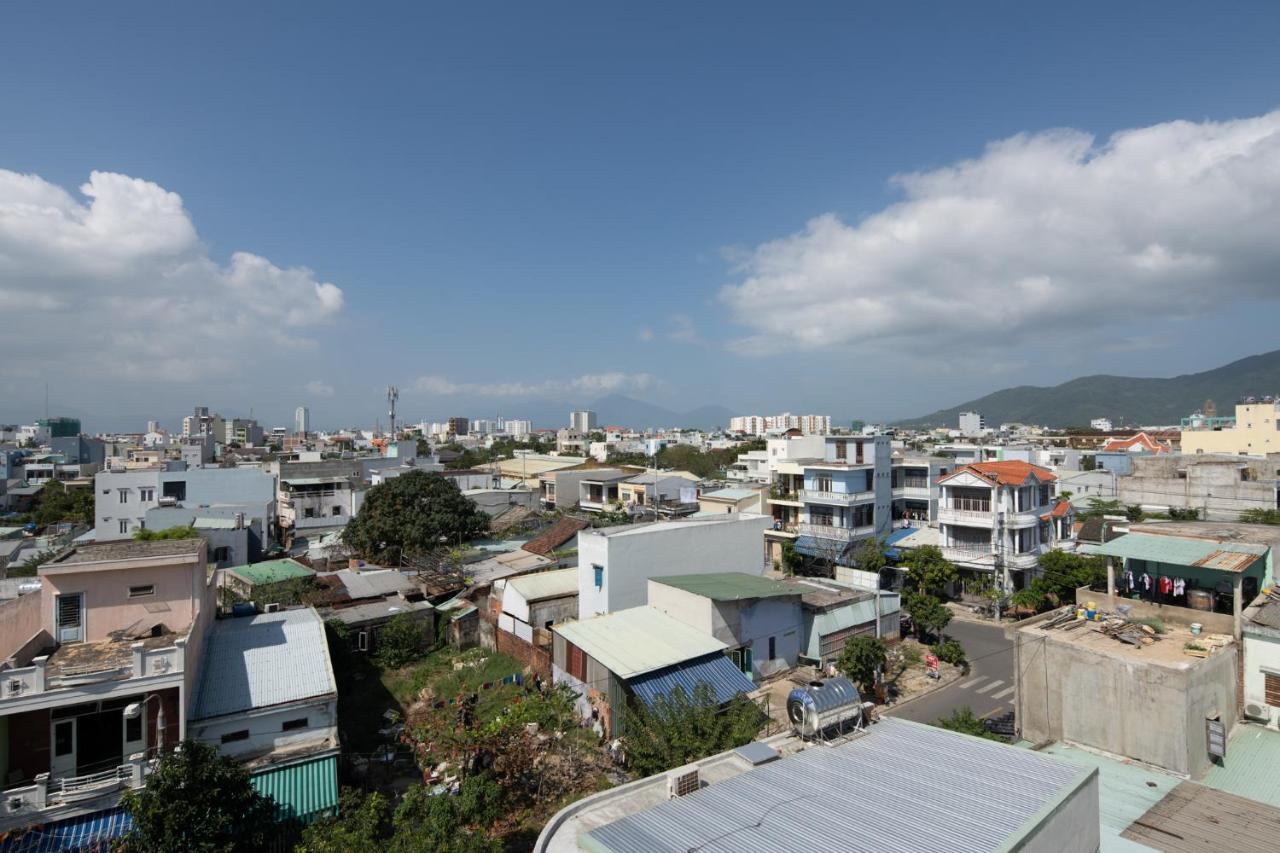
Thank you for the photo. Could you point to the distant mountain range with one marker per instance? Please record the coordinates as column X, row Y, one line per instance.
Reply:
column 1127, row 399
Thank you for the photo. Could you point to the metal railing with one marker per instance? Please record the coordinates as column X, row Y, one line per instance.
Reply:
column 830, row 531
column 969, row 505
column 821, row 496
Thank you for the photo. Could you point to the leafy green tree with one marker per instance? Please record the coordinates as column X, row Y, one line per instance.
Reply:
column 55, row 503
column 928, row 571
column 1134, row 513
column 963, row 720
column 1061, row 574
column 197, row 800
column 412, row 512
column 678, row 728
column 1028, row 598
column 363, row 823
column 949, row 651
column 1098, row 506
column 146, row 534
column 870, row 555
column 401, row 641
column 792, row 559
column 1260, row 516
column 427, row 823
column 928, row 614
column 861, row 658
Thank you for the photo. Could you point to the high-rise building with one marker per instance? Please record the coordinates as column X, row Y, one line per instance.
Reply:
column 153, row 426
column 202, row 422
column 757, row 425
column 518, row 428
column 584, row 421
column 972, row 423
column 459, row 426
column 302, row 420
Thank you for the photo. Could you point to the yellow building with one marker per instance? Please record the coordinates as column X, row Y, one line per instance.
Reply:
column 1255, row 430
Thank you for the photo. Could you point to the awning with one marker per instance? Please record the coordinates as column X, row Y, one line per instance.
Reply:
column 85, row 834
column 895, row 537
column 303, row 791
column 715, row 670
column 1180, row 551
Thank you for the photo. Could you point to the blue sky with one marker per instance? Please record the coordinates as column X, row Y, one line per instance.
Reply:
column 529, row 201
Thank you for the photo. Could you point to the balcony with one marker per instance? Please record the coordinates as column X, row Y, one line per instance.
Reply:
column 920, row 493
column 839, row 534
column 46, row 799
column 836, row 498
column 81, row 664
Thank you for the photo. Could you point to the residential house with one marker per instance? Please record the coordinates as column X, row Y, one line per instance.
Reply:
column 615, row 563
column 638, row 654
column 915, row 488
column 757, row 618
column 997, row 518
column 1261, row 644
column 268, row 699
column 98, row 672
column 599, row 489
column 833, row 613
column 122, row 499
column 740, row 499
column 247, row 580
column 1254, row 431
column 666, row 490
column 527, row 606
column 559, row 488
column 1219, row 486
column 366, row 600
column 309, row 504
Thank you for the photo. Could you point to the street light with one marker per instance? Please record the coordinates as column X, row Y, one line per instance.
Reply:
column 134, row 710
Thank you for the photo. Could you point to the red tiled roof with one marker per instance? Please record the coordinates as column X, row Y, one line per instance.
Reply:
column 1010, row 473
column 1061, row 509
column 554, row 536
column 1140, row 440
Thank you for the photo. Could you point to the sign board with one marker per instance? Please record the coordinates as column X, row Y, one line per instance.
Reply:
column 1217, row 734
column 931, row 661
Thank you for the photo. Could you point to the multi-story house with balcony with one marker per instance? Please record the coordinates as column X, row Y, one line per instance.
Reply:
column 827, row 504
column 123, row 498
column 98, row 669
column 915, row 489
column 997, row 518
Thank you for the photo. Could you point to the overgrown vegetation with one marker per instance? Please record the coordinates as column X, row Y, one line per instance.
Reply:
column 55, row 503
column 402, row 641
column 146, row 534
column 679, row 728
column 414, row 512
column 1260, row 516
column 862, row 659
column 949, row 651
column 1061, row 574
column 963, row 720
column 423, row 822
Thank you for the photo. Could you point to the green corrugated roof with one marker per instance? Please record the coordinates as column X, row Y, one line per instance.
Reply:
column 304, row 791
column 272, row 571
column 728, row 586
column 1175, row 550
column 1250, row 769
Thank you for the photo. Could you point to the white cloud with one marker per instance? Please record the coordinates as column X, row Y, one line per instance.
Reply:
column 1049, row 232
column 590, row 383
column 317, row 388
column 124, row 283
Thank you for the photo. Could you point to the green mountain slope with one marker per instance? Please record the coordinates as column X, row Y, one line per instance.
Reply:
column 1120, row 398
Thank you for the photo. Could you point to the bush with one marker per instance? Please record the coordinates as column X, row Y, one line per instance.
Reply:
column 964, row 721
column 860, row 659
column 949, row 651
column 401, row 641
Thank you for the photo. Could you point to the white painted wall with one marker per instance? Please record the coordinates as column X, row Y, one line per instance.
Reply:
column 633, row 555
column 1261, row 654
column 265, row 726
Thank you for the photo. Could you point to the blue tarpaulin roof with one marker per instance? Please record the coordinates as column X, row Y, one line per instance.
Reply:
column 91, row 832
column 716, row 670
column 895, row 537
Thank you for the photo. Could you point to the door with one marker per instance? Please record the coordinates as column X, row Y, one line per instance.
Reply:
column 99, row 741
column 63, row 735
column 69, row 618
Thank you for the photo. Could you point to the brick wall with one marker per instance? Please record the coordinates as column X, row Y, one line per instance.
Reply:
column 538, row 660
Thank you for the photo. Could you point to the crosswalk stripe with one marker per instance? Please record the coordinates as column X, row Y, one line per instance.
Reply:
column 1008, row 691
column 968, row 684
column 990, row 686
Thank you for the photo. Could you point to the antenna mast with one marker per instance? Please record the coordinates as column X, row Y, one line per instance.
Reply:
column 393, row 394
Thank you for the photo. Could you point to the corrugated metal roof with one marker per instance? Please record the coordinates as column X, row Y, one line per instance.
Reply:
column 91, row 832
column 264, row 660
column 312, row 481
column 372, row 583
column 540, row 585
column 728, row 586
column 271, row 571
column 1252, row 768
column 638, row 640
column 732, row 494
column 900, row 788
column 303, row 791
column 1182, row 551
column 714, row 670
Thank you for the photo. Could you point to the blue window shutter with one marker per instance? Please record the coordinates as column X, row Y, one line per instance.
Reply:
column 599, row 573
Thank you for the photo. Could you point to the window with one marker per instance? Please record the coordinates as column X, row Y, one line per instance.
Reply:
column 309, row 512
column 337, row 510
column 124, row 496
column 133, row 729
column 576, row 660
column 146, row 495
column 598, row 574
column 842, row 450
column 362, row 641
column 222, row 554
column 1271, row 689
column 232, row 737
column 293, row 725
column 124, row 525
column 857, row 445
column 773, row 647
column 64, row 737
column 176, row 489
column 141, row 591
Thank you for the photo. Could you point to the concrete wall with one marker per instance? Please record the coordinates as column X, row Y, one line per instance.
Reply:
column 1220, row 486
column 1147, row 711
column 1214, row 623
column 265, row 728
column 20, row 620
column 108, row 607
column 1261, row 656
column 1072, row 826
column 205, row 487
column 630, row 557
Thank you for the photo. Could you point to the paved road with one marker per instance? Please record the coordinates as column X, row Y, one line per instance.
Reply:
column 987, row 689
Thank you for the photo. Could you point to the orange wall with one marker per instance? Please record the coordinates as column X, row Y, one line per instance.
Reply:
column 106, row 597
column 20, row 620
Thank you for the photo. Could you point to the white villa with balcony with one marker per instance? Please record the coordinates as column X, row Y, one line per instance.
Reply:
column 315, row 503
column 999, row 517
column 97, row 670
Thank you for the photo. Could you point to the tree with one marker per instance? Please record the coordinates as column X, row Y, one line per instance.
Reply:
column 949, row 651
column 928, row 571
column 197, row 800
column 1134, row 513
column 963, row 720
column 792, row 560
column 861, row 659
column 678, row 728
column 1097, row 506
column 1061, row 574
column 870, row 556
column 401, row 641
column 55, row 503
column 928, row 614
column 363, row 823
column 412, row 512
column 427, row 823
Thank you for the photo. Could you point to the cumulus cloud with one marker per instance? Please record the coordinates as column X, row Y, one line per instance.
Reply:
column 318, row 388
column 590, row 383
column 1051, row 231
column 120, row 277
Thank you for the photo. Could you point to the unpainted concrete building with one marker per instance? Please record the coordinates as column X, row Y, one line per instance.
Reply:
column 1220, row 486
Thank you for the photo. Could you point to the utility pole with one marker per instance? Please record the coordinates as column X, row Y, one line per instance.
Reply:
column 393, row 394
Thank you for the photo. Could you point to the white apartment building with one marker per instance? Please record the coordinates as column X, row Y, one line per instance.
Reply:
column 583, row 421
column 1101, row 424
column 615, row 563
column 518, row 427
column 302, row 420
column 122, row 498
column 972, row 423
column 997, row 518
column 757, row 425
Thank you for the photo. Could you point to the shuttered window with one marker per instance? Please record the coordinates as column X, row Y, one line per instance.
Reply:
column 830, row 645
column 577, row 661
column 1271, row 687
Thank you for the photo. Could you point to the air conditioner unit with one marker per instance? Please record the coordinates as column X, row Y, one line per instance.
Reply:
column 1258, row 712
column 273, row 607
column 682, row 781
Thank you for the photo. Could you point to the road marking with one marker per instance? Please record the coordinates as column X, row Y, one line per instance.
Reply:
column 1008, row 691
column 968, row 684
column 990, row 686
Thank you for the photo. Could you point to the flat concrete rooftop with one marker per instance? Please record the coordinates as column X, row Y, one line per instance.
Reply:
column 1167, row 651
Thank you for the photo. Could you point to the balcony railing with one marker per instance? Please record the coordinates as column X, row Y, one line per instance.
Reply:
column 22, row 804
column 38, row 678
column 830, row 531
column 842, row 498
column 969, row 505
